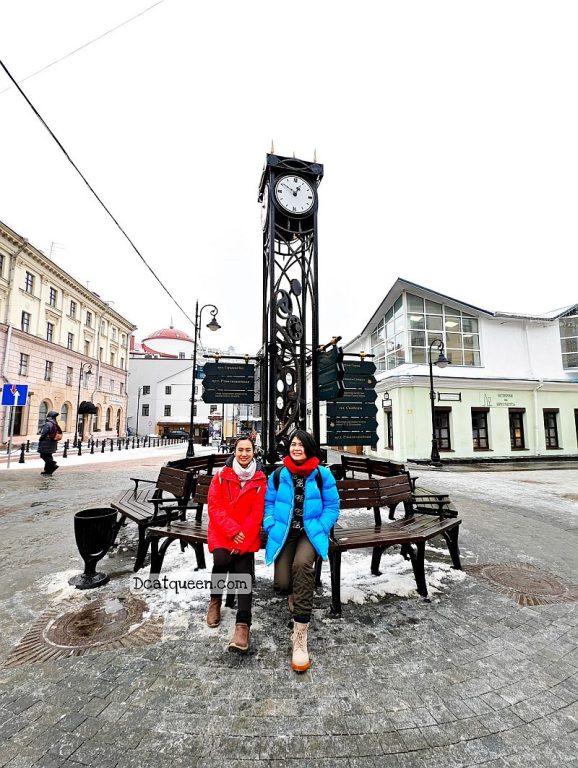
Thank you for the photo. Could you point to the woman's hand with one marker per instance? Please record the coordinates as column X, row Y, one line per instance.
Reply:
column 239, row 538
column 235, row 551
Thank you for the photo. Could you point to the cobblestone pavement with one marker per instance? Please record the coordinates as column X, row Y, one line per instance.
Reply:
column 470, row 678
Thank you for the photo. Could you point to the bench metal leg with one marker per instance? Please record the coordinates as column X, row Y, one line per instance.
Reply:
column 117, row 526
column 451, row 538
column 335, row 566
column 200, row 555
column 376, row 559
column 417, row 562
column 143, row 547
column 158, row 554
column 318, row 564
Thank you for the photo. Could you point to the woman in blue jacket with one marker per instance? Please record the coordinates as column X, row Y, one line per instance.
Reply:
column 301, row 507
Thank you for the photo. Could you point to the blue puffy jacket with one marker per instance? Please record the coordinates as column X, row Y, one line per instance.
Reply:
column 320, row 511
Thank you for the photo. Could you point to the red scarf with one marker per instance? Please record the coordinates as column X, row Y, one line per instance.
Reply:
column 305, row 468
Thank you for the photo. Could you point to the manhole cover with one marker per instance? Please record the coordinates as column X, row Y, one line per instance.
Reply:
column 103, row 624
column 525, row 583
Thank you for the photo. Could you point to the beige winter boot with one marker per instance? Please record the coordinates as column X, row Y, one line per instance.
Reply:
column 214, row 612
column 300, row 661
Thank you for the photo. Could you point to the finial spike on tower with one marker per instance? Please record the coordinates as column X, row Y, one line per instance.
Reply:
column 272, row 147
column 293, row 153
column 315, row 154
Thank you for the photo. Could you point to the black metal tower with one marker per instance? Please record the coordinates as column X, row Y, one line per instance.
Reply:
column 288, row 193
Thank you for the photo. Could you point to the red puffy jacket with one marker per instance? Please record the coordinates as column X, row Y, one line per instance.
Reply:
column 233, row 509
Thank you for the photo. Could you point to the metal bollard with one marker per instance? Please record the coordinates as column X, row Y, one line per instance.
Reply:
column 133, row 442
column 138, row 442
column 80, row 447
column 28, row 446
column 103, row 446
column 92, row 447
column 65, row 450
column 22, row 449
column 111, row 445
column 127, row 443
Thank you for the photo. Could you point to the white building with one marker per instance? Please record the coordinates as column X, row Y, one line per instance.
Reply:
column 160, row 389
column 51, row 328
column 511, row 388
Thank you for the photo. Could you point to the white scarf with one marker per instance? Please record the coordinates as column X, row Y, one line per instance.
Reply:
column 246, row 473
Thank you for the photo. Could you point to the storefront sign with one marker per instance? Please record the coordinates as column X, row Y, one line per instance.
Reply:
column 498, row 400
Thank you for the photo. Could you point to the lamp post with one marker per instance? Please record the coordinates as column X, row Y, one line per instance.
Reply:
column 213, row 325
column 87, row 373
column 441, row 362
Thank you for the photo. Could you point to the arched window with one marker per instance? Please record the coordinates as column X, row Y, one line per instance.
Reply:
column 42, row 411
column 97, row 418
column 119, row 422
column 108, row 425
column 64, row 417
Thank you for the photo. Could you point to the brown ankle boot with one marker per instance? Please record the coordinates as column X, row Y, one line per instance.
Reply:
column 240, row 640
column 214, row 612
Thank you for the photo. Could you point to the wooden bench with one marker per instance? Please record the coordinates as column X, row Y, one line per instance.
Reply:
column 411, row 532
column 200, row 464
column 151, row 506
column 374, row 467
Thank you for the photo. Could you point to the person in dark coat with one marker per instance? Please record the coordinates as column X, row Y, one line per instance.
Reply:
column 47, row 443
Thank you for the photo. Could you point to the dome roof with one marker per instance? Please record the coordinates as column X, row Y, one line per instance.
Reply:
column 169, row 333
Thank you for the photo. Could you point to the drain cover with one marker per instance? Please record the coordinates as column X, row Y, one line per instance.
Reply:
column 103, row 624
column 525, row 584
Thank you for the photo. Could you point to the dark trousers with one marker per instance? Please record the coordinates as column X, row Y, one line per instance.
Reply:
column 49, row 463
column 295, row 572
column 225, row 563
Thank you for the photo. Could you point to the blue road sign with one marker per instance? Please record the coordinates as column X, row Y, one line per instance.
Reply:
column 14, row 394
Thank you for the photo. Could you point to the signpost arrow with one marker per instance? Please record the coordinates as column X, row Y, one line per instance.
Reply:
column 364, row 367
column 351, row 438
column 340, row 408
column 346, row 423
column 353, row 380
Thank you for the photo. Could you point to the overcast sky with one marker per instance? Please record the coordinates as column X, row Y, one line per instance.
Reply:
column 447, row 131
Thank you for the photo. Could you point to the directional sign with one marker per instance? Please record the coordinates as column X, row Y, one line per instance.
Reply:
column 352, row 438
column 346, row 423
column 229, row 383
column 330, row 374
column 14, row 394
column 363, row 367
column 353, row 380
column 339, row 408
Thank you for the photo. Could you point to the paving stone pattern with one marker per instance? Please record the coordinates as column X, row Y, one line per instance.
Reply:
column 470, row 678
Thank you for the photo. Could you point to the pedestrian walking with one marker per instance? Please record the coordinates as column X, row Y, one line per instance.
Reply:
column 235, row 504
column 301, row 507
column 50, row 434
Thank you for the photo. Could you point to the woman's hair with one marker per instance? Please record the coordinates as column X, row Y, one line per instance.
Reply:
column 244, row 437
column 309, row 444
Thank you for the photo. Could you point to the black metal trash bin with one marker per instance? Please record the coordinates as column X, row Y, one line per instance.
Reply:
column 94, row 530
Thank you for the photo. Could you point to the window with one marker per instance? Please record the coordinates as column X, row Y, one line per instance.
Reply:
column 181, row 355
column 42, row 411
column 114, row 332
column 123, row 339
column 48, row 367
column 101, row 354
column 1, row 263
column 551, row 427
column 194, row 410
column 569, row 341
column 64, row 417
column 111, row 386
column 388, row 415
column 428, row 320
column 88, row 320
column 70, row 341
column 480, row 429
column 24, row 361
column 213, row 409
column 388, row 339
column 29, row 283
column 52, row 295
column 49, row 331
column 108, row 424
column 121, row 388
column 100, row 382
column 168, row 390
column 146, row 390
column 167, row 410
column 442, row 428
column 145, row 409
column 103, row 327
column 87, row 348
column 517, row 440
column 73, row 311
column 25, row 322
column 122, row 363
column 112, row 358
column 69, row 373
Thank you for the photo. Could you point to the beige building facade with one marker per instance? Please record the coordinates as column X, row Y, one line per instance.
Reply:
column 62, row 340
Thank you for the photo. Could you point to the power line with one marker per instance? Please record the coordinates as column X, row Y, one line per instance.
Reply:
column 84, row 45
column 77, row 169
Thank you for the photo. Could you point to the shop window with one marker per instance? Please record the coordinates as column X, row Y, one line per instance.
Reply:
column 145, row 409
column 551, row 427
column 108, row 425
column 442, row 428
column 517, row 440
column 64, row 417
column 480, row 429
column 213, row 409
column 42, row 411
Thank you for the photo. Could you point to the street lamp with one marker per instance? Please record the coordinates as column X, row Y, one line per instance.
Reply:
column 213, row 325
column 87, row 373
column 441, row 362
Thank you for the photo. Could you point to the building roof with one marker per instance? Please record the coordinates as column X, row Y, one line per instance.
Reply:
column 169, row 333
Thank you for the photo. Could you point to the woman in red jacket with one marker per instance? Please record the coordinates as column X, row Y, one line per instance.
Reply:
column 236, row 503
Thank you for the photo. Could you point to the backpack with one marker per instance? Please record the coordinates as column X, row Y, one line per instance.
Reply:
column 55, row 432
column 318, row 479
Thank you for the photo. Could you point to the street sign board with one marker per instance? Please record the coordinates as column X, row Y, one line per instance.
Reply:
column 14, row 394
column 361, row 367
column 339, row 408
column 330, row 391
column 351, row 438
column 346, row 423
column 229, row 383
column 330, row 372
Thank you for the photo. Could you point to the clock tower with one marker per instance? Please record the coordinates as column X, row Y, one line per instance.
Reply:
column 288, row 195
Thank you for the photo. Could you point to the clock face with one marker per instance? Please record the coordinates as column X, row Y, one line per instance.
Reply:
column 294, row 195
